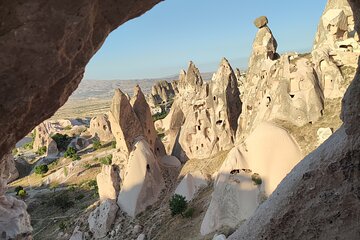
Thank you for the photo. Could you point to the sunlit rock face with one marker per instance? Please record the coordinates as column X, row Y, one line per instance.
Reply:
column 319, row 198
column 100, row 128
column 236, row 195
column 284, row 88
column 142, row 182
column 208, row 114
column 45, row 46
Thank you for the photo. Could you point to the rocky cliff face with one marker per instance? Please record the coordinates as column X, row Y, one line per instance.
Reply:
column 210, row 113
column 43, row 67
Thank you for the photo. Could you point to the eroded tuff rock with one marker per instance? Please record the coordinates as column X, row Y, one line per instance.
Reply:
column 286, row 88
column 142, row 111
column 101, row 219
column 162, row 92
column 108, row 181
column 236, row 196
column 261, row 22
column 209, row 111
column 191, row 184
column 100, row 128
column 143, row 180
column 45, row 46
column 125, row 125
column 319, row 198
column 14, row 219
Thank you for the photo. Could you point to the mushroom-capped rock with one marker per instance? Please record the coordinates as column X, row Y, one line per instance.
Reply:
column 191, row 184
column 101, row 219
column 236, row 191
column 264, row 47
column 261, row 22
column 143, row 113
column 211, row 124
column 108, row 181
column 125, row 125
column 74, row 31
column 100, row 128
column 143, row 180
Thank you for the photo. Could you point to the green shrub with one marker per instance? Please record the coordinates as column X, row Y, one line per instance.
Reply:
column 71, row 153
column 178, row 204
column 87, row 165
column 17, row 189
column 41, row 150
column 22, row 193
column 256, row 179
column 159, row 116
column 29, row 145
column 189, row 212
column 96, row 144
column 113, row 144
column 14, row 151
column 65, row 170
column 79, row 197
column 41, row 169
column 62, row 141
column 92, row 185
column 62, row 226
column 106, row 160
column 63, row 201
column 68, row 127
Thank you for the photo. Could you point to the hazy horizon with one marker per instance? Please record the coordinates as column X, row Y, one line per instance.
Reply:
column 165, row 39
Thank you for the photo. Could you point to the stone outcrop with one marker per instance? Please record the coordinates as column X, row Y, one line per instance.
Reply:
column 72, row 32
column 285, row 88
column 100, row 128
column 142, row 111
column 318, row 199
column 8, row 169
column 101, row 219
column 142, row 181
column 323, row 134
column 261, row 22
column 14, row 219
column 162, row 92
column 191, row 184
column 207, row 114
column 108, row 181
column 125, row 124
column 236, row 192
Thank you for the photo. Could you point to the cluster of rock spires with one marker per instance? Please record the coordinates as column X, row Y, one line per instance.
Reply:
column 318, row 199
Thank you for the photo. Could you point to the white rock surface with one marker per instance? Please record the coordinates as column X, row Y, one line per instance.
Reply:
column 142, row 182
column 77, row 234
column 323, row 134
column 101, row 219
column 219, row 237
column 235, row 195
column 108, row 181
column 191, row 184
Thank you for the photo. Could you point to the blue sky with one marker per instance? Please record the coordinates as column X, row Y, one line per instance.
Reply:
column 165, row 39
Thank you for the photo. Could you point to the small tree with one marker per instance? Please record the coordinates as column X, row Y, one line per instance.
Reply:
column 41, row 169
column 96, row 144
column 22, row 193
column 17, row 189
column 256, row 179
column 178, row 204
column 71, row 153
column 41, row 150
